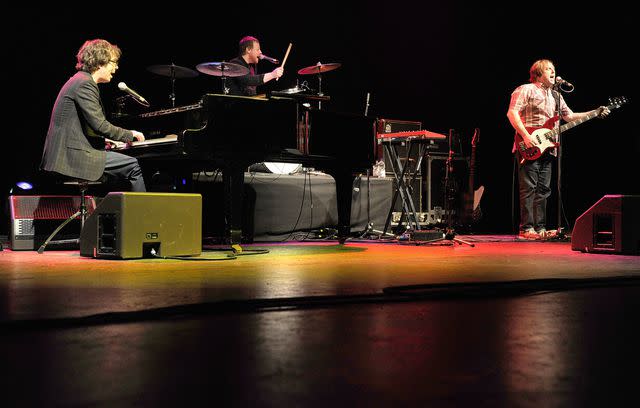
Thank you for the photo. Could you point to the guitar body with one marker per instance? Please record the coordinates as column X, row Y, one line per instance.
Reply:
column 543, row 140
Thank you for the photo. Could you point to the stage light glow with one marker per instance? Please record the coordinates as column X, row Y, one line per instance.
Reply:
column 24, row 185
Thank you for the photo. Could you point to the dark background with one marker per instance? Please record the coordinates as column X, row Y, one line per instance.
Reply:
column 448, row 66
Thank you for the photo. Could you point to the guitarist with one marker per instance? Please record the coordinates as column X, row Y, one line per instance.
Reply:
column 532, row 105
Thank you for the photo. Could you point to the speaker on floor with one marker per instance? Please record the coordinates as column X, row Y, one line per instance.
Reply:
column 611, row 225
column 34, row 218
column 136, row 225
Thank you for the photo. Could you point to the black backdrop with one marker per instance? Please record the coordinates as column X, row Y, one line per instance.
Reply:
column 449, row 66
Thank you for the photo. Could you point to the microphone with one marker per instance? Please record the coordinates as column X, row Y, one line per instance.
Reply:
column 271, row 60
column 138, row 98
column 560, row 81
column 366, row 106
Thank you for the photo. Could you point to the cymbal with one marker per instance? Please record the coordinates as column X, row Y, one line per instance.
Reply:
column 172, row 70
column 218, row 68
column 319, row 68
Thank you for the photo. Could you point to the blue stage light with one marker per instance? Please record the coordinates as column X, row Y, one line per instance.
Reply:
column 24, row 185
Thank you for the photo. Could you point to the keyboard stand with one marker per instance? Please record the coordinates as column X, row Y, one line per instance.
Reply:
column 405, row 174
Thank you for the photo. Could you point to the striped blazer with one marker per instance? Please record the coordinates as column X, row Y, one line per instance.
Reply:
column 75, row 143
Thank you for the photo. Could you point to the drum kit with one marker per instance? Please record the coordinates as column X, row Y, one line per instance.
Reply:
column 226, row 70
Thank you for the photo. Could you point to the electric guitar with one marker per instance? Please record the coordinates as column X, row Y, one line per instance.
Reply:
column 544, row 138
column 472, row 211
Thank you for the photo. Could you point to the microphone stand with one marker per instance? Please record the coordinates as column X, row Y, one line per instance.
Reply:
column 449, row 232
column 560, row 234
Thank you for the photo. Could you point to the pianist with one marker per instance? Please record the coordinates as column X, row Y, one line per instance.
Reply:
column 249, row 54
column 75, row 143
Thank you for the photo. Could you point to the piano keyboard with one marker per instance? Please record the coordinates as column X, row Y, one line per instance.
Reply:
column 149, row 142
column 410, row 135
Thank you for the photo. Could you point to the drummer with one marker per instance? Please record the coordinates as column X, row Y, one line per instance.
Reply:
column 249, row 54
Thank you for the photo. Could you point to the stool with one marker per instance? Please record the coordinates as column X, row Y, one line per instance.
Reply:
column 83, row 185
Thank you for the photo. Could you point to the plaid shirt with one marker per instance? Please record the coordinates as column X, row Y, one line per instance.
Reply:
column 536, row 105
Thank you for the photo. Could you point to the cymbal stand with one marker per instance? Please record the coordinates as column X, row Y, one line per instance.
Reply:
column 225, row 90
column 172, row 95
column 319, row 88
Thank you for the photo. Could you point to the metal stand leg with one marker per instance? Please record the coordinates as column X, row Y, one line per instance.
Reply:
column 82, row 213
column 403, row 190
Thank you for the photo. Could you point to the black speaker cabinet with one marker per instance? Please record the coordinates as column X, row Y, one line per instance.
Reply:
column 33, row 218
column 435, row 176
column 611, row 225
column 132, row 225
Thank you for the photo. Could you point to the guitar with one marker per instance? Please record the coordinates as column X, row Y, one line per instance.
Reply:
column 544, row 138
column 472, row 211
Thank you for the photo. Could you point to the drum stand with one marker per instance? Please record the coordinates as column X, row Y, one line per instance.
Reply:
column 172, row 95
column 225, row 90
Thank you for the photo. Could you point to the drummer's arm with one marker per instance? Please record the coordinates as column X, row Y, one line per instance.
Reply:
column 275, row 74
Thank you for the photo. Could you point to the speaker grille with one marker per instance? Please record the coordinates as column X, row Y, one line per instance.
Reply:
column 47, row 207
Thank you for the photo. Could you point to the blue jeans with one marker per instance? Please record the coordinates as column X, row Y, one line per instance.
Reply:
column 534, row 179
column 121, row 166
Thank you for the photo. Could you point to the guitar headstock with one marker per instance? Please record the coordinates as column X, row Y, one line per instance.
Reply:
column 616, row 102
column 476, row 137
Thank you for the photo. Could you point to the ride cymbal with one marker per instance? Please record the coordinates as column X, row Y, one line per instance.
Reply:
column 227, row 69
column 319, row 68
column 172, row 71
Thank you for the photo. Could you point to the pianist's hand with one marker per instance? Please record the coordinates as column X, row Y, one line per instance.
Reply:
column 138, row 135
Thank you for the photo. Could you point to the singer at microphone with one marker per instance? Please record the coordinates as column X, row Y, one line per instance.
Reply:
column 249, row 54
column 136, row 96
column 560, row 81
column 532, row 106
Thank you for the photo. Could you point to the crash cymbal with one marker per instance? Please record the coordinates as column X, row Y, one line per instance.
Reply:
column 319, row 68
column 174, row 71
column 218, row 68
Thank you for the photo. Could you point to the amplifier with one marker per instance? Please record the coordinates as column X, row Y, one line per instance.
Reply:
column 33, row 218
column 435, row 178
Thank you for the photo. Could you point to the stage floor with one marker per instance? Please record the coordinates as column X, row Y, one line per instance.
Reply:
column 317, row 323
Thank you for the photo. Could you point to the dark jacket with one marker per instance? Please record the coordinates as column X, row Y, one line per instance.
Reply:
column 244, row 85
column 75, row 141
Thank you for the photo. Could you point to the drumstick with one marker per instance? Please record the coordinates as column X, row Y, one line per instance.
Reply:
column 286, row 55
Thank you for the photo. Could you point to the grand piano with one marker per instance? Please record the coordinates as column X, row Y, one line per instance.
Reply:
column 232, row 132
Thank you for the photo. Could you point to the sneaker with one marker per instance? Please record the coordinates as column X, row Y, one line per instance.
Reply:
column 544, row 234
column 529, row 234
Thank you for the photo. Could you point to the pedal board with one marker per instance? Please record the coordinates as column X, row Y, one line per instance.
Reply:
column 426, row 235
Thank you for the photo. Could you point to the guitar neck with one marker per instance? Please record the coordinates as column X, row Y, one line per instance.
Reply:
column 553, row 133
column 577, row 122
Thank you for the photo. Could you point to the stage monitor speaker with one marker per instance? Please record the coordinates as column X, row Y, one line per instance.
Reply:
column 34, row 218
column 135, row 225
column 611, row 225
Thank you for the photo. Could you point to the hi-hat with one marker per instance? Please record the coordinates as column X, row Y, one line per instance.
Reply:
column 172, row 71
column 227, row 69
column 319, row 68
